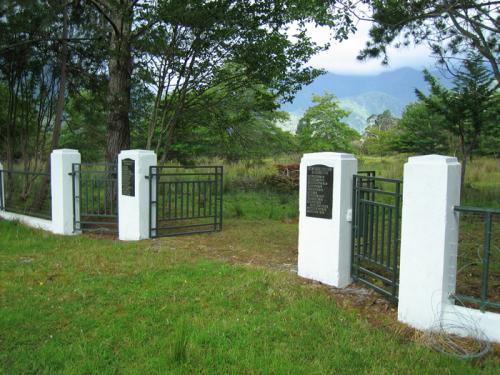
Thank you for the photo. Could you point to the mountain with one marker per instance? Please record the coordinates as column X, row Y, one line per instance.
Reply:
column 363, row 95
column 364, row 105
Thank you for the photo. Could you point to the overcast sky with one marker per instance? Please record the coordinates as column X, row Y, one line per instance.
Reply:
column 341, row 57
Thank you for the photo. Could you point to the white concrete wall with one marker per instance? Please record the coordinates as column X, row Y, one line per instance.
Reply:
column 133, row 212
column 325, row 244
column 464, row 321
column 31, row 221
column 61, row 162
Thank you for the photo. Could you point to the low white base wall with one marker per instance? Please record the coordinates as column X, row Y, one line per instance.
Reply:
column 31, row 221
column 464, row 321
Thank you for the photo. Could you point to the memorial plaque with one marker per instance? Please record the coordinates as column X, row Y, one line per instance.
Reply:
column 128, row 177
column 319, row 193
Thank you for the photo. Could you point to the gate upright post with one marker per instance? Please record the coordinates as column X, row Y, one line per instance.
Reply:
column 133, row 193
column 429, row 239
column 325, row 205
column 2, row 191
column 61, row 182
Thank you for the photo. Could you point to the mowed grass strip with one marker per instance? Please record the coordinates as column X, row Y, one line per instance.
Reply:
column 82, row 305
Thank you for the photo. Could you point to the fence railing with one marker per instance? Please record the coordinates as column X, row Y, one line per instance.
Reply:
column 26, row 193
column 480, row 284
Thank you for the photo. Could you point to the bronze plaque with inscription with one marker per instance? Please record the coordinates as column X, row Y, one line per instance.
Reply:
column 128, row 177
column 319, row 193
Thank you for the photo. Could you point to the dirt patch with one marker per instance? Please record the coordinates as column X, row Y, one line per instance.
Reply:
column 269, row 244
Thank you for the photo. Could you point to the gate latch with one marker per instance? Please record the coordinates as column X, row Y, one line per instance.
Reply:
column 348, row 215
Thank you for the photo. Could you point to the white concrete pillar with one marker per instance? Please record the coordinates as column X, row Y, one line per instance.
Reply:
column 133, row 193
column 61, row 182
column 324, row 234
column 2, row 188
column 429, row 236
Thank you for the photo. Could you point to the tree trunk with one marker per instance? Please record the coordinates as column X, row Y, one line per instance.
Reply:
column 120, row 73
column 56, row 133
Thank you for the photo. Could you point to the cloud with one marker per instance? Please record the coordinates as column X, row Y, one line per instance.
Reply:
column 341, row 57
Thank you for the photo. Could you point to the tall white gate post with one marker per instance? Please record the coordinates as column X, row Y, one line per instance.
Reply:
column 133, row 193
column 429, row 236
column 61, row 183
column 325, row 204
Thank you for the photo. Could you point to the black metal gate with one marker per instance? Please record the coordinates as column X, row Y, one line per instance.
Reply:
column 376, row 232
column 185, row 200
column 95, row 197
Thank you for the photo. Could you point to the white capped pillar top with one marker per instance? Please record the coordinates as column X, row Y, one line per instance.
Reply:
column 433, row 159
column 325, row 156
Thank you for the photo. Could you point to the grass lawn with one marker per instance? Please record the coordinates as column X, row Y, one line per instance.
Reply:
column 227, row 302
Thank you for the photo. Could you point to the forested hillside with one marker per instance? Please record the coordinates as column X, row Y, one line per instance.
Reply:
column 365, row 95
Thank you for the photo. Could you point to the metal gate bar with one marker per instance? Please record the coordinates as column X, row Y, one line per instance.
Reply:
column 185, row 200
column 375, row 233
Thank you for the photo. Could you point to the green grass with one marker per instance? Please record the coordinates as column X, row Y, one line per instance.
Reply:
column 481, row 188
column 82, row 305
column 261, row 205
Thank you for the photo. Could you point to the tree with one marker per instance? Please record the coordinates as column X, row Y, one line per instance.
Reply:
column 233, row 124
column 321, row 128
column 422, row 131
column 85, row 125
column 470, row 108
column 120, row 16
column 452, row 28
column 45, row 56
column 52, row 50
column 381, row 133
column 183, row 43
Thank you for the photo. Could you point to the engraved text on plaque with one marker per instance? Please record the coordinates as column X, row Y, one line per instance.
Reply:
column 128, row 177
column 319, row 191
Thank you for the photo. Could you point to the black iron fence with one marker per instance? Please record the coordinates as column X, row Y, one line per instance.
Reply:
column 26, row 193
column 185, row 200
column 478, row 261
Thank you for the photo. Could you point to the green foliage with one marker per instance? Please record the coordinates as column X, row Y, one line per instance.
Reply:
column 85, row 126
column 160, row 61
column 381, row 134
column 422, row 131
column 232, row 123
column 30, row 71
column 462, row 120
column 470, row 109
column 450, row 28
column 321, row 128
